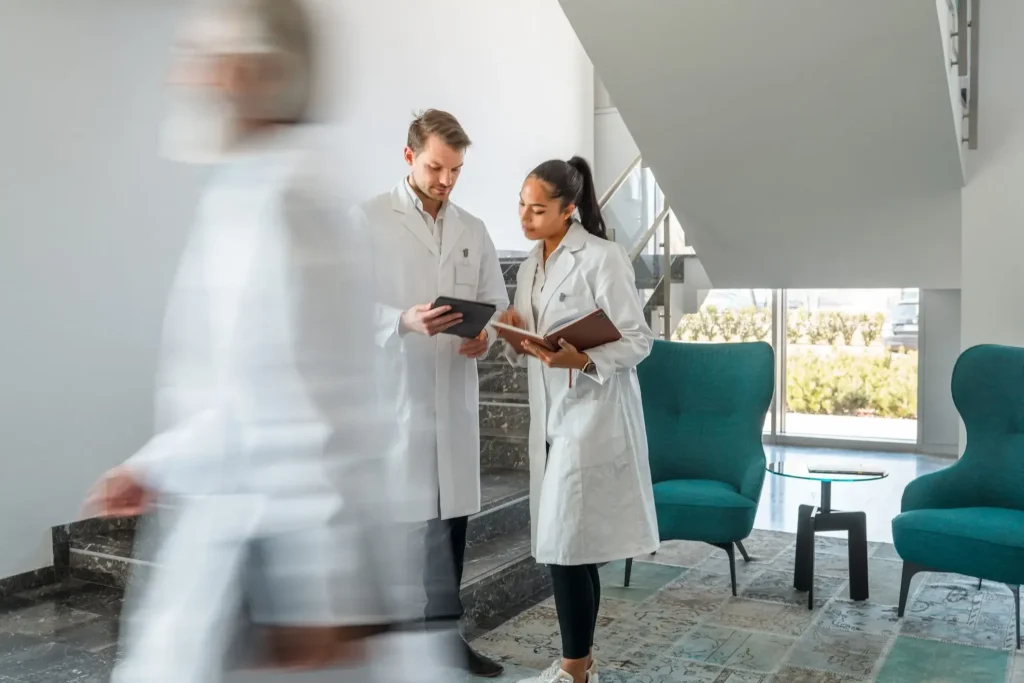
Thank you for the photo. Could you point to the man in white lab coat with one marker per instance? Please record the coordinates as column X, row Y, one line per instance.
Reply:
column 268, row 420
column 424, row 247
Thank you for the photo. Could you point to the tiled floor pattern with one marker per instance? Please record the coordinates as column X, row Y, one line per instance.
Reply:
column 678, row 623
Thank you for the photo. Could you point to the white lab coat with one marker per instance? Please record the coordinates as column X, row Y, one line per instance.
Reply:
column 591, row 497
column 268, row 426
column 436, row 463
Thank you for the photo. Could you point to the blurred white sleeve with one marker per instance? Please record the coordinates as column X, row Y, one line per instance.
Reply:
column 387, row 317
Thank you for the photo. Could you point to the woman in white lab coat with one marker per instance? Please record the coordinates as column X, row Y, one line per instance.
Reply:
column 591, row 498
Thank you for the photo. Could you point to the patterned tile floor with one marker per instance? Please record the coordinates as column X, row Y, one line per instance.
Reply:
column 678, row 623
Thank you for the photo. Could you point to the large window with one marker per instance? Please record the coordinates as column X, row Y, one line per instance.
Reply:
column 848, row 364
column 851, row 364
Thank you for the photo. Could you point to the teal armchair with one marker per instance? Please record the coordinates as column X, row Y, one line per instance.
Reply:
column 704, row 406
column 969, row 518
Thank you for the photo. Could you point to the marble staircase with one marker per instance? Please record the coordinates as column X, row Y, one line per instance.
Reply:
column 500, row 580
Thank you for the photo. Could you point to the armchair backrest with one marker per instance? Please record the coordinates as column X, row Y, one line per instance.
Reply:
column 705, row 406
column 988, row 391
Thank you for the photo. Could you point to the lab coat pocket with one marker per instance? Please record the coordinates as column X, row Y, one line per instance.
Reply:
column 597, row 431
column 467, row 275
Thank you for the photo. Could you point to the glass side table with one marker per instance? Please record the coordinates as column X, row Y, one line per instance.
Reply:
column 824, row 518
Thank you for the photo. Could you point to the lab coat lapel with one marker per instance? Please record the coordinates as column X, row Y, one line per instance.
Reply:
column 402, row 204
column 529, row 270
column 573, row 241
column 453, row 228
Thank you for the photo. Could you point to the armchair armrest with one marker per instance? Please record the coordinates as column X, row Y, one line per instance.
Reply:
column 946, row 488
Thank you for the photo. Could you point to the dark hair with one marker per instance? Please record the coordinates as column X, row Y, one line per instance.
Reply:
column 440, row 123
column 573, row 183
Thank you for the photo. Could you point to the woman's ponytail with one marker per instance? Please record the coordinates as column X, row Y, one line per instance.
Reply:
column 586, row 201
column 573, row 183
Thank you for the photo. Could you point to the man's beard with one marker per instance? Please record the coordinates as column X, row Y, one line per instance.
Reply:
column 200, row 129
column 429, row 192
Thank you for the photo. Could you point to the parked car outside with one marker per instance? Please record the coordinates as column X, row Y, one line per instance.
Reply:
column 900, row 330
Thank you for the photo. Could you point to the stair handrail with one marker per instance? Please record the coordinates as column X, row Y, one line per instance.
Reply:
column 619, row 180
column 646, row 237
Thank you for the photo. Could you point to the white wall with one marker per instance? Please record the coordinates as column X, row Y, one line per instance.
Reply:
column 91, row 222
column 514, row 74
column 614, row 147
column 940, row 347
column 90, row 228
column 993, row 200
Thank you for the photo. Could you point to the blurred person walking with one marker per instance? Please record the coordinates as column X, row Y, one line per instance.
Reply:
column 424, row 247
column 268, row 422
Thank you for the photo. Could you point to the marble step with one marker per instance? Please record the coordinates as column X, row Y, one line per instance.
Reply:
column 504, row 414
column 499, row 377
column 510, row 267
column 501, row 579
column 108, row 558
column 504, row 508
column 108, row 553
column 504, row 451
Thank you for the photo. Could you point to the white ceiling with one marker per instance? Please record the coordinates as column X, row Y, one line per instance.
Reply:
column 801, row 143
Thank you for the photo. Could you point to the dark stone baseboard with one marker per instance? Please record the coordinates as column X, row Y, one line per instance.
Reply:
column 37, row 578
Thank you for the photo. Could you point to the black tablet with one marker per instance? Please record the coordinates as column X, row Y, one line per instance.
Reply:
column 475, row 316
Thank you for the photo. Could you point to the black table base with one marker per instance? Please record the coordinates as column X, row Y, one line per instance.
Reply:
column 824, row 518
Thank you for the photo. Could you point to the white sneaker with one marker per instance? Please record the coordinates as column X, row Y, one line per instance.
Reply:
column 592, row 672
column 553, row 674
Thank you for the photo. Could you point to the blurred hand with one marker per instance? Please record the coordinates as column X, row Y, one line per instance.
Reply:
column 119, row 493
column 306, row 648
column 474, row 348
column 567, row 357
column 429, row 321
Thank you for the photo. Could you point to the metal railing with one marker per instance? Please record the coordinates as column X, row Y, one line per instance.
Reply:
column 965, row 22
column 641, row 222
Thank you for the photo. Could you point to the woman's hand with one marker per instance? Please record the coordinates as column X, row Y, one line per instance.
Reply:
column 567, row 357
column 512, row 317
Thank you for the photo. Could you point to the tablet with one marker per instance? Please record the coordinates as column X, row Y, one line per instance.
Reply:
column 475, row 316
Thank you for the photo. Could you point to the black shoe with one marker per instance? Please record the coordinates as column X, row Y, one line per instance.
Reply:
column 479, row 665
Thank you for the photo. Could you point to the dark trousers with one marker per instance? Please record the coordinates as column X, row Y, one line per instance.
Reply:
column 577, row 600
column 445, row 553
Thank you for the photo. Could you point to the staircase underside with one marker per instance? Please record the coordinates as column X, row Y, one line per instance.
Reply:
column 801, row 143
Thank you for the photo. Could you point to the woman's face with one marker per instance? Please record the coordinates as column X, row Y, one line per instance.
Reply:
column 541, row 216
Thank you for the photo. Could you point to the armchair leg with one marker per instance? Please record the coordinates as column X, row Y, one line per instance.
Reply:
column 730, row 550
column 909, row 571
column 743, row 552
column 629, row 570
column 1016, row 605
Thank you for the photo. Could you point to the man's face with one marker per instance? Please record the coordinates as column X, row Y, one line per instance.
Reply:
column 435, row 169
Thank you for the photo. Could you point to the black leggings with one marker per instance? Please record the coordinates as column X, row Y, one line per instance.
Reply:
column 577, row 599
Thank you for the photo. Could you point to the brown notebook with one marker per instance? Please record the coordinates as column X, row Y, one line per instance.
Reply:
column 586, row 332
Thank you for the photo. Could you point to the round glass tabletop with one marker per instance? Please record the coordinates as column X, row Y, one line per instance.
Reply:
column 823, row 470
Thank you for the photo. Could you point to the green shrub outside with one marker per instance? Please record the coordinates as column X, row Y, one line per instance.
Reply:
column 843, row 381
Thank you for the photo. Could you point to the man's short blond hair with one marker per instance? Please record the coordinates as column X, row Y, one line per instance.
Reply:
column 440, row 123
